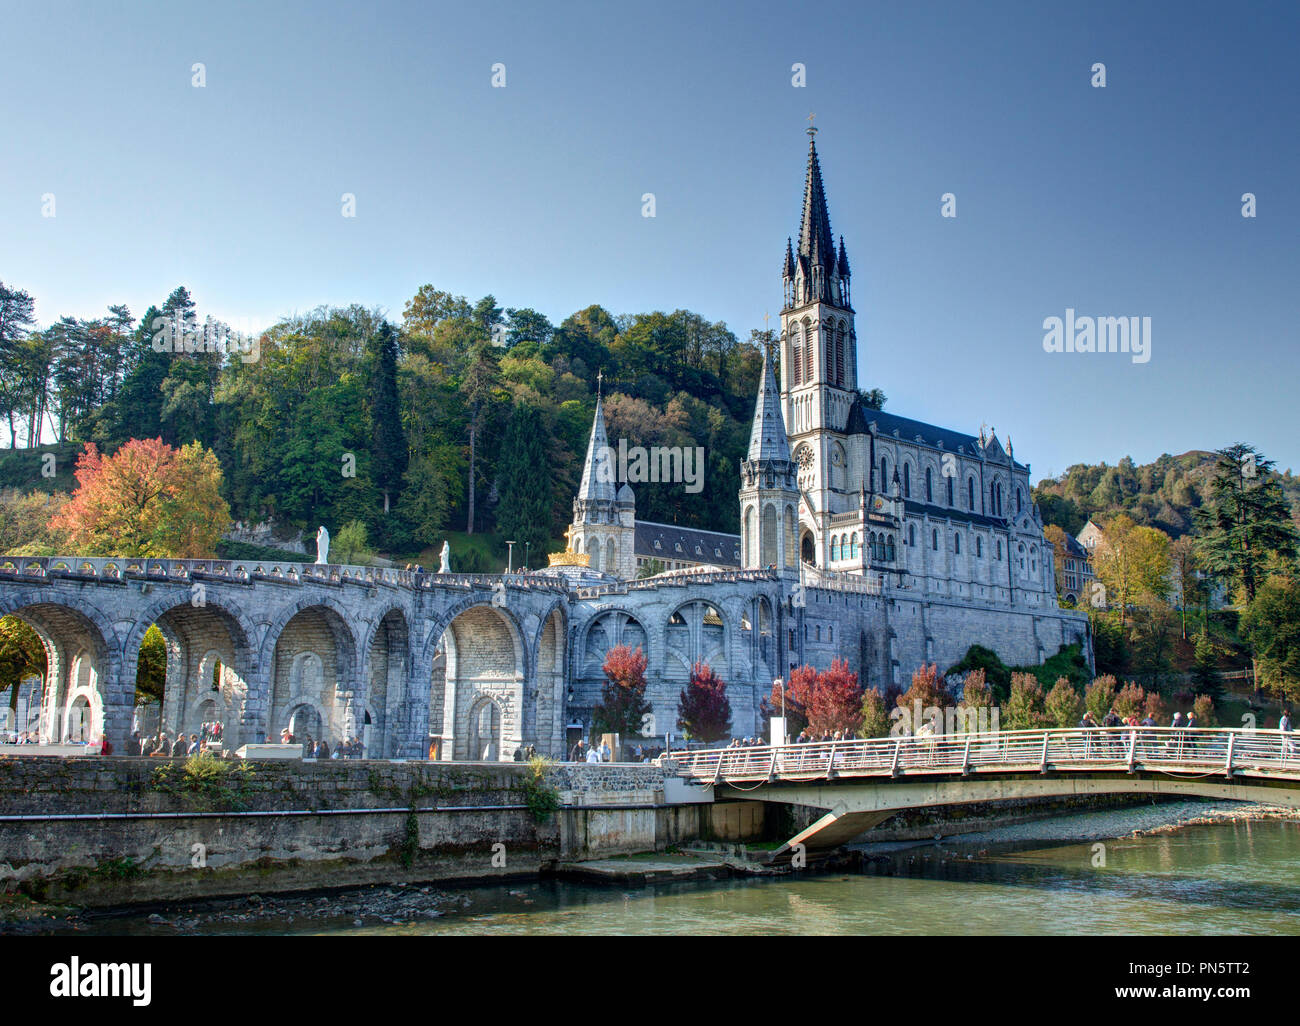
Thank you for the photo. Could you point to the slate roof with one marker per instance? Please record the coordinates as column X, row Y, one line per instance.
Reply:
column 713, row 546
column 887, row 423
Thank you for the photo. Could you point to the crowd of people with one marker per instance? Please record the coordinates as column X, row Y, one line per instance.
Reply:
column 348, row 748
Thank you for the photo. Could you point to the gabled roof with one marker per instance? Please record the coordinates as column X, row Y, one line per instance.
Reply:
column 671, row 542
column 860, row 417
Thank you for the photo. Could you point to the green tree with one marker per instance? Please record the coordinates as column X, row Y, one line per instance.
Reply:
column 875, row 716
column 350, row 546
column 388, row 452
column 524, row 475
column 1099, row 696
column 1063, row 705
column 1246, row 522
column 1025, row 707
column 1271, row 624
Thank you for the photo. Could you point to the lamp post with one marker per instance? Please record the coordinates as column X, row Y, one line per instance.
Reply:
column 510, row 557
column 527, row 545
column 779, row 683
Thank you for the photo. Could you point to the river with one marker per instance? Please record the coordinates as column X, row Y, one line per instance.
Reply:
column 1233, row 876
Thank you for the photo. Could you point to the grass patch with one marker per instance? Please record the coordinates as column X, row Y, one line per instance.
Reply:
column 540, row 797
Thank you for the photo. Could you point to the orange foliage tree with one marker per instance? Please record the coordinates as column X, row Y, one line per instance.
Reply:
column 147, row 499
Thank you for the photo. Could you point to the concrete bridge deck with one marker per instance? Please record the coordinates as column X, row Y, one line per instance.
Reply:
column 861, row 783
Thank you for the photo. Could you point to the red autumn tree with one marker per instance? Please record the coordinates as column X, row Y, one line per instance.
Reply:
column 798, row 693
column 623, row 707
column 703, row 713
column 147, row 499
column 836, row 700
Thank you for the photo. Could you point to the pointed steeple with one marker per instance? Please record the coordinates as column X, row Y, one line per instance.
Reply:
column 815, row 230
column 767, row 438
column 598, row 469
column 788, row 270
column 843, row 260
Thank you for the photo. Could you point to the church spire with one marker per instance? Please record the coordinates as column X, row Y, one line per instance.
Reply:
column 767, row 438
column 816, row 243
column 598, row 469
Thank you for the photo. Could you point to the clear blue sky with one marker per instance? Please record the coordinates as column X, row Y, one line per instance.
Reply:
column 1117, row 201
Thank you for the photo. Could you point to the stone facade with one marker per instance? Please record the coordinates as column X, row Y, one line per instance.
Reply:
column 864, row 535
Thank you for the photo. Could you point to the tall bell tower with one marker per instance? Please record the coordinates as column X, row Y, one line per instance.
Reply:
column 819, row 348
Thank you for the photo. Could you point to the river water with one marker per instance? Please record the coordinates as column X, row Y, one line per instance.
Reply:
column 1239, row 876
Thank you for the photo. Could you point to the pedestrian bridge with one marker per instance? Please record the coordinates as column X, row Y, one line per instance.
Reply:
column 861, row 783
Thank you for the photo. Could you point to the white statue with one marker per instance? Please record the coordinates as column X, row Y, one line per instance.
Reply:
column 445, row 566
column 322, row 546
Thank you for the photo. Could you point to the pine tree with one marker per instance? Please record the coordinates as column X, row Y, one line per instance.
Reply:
column 388, row 440
column 1246, row 521
column 524, row 512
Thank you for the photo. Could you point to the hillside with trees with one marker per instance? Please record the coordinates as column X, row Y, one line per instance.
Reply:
column 1165, row 494
column 463, row 417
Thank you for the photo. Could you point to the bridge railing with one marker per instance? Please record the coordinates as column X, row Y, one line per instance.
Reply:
column 118, row 568
column 1202, row 749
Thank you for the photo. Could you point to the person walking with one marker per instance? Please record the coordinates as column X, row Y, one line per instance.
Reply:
column 1284, row 725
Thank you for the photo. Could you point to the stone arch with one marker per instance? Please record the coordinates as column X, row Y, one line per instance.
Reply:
column 605, row 630
column 316, row 637
column 71, row 628
column 544, row 711
column 195, row 625
column 697, row 630
column 383, row 687
column 476, row 649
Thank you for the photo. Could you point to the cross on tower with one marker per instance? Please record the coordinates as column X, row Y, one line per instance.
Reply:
column 600, row 374
column 812, row 127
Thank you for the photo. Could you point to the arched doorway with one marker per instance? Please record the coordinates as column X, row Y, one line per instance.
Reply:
column 807, row 551
column 304, row 722
column 485, row 732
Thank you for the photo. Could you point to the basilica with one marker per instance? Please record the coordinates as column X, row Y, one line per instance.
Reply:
column 865, row 535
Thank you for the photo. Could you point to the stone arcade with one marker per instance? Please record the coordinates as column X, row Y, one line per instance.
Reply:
column 864, row 535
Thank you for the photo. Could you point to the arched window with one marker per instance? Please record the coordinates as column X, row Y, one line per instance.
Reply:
column 956, row 544
column 889, row 549
column 999, row 548
column 835, row 548
column 979, row 546
column 934, row 539
column 853, row 546
column 828, row 372
column 907, row 480
column 929, row 490
column 796, row 356
column 819, row 632
column 809, row 352
column 839, row 354
column 1019, row 497
column 950, row 502
column 970, row 493
column 884, row 474
column 911, row 534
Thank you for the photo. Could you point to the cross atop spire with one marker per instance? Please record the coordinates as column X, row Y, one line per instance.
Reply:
column 600, row 374
column 812, row 128
column 816, row 243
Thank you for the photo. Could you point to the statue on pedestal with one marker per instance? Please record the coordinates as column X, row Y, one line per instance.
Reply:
column 444, row 567
column 322, row 546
